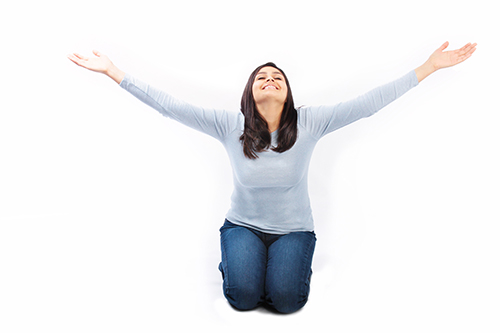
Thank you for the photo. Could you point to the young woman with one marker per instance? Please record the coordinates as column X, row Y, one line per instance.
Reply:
column 268, row 240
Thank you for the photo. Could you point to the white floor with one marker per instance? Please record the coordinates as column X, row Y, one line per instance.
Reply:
column 124, row 274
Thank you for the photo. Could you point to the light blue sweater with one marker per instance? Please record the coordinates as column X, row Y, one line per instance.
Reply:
column 270, row 193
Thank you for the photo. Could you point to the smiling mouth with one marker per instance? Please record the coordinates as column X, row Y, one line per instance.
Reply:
column 270, row 87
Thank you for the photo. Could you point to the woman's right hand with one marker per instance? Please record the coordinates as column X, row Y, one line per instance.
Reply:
column 99, row 64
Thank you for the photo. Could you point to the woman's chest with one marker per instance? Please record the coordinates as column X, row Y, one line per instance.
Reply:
column 271, row 169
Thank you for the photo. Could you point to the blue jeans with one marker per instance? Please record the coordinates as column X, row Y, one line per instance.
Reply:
column 266, row 269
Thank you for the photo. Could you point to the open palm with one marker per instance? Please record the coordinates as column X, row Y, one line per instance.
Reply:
column 442, row 59
column 100, row 63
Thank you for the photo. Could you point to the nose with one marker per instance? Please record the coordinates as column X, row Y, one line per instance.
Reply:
column 270, row 79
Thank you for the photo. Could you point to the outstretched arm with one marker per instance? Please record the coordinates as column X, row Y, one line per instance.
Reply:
column 442, row 59
column 216, row 123
column 100, row 64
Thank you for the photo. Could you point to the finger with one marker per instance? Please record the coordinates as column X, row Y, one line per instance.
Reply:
column 80, row 56
column 472, row 47
column 97, row 53
column 71, row 57
column 466, row 55
column 468, row 49
column 465, row 46
column 465, row 49
column 74, row 59
column 470, row 52
column 444, row 46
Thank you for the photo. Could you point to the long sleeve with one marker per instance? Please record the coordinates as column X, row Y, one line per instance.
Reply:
column 321, row 120
column 216, row 123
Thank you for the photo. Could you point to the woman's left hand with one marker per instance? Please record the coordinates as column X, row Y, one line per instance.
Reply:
column 442, row 59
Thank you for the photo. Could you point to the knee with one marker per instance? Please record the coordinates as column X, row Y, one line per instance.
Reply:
column 288, row 298
column 287, row 302
column 243, row 297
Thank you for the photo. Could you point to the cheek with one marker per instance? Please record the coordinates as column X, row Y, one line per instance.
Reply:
column 285, row 93
column 255, row 90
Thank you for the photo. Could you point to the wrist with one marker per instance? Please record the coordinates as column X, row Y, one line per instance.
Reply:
column 425, row 70
column 115, row 73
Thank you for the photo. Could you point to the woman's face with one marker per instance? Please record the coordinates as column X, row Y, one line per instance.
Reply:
column 269, row 86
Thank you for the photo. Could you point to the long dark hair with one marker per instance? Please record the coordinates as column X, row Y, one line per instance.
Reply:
column 256, row 137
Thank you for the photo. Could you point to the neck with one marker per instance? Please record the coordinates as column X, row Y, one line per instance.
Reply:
column 271, row 112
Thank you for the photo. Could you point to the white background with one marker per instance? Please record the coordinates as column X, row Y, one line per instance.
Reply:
column 109, row 212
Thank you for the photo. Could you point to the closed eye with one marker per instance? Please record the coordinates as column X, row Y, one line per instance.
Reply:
column 263, row 78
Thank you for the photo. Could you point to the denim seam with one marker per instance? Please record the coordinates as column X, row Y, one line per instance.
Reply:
column 306, row 275
column 224, row 271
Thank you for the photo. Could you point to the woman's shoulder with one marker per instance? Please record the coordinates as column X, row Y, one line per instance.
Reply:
column 306, row 114
column 230, row 121
column 315, row 119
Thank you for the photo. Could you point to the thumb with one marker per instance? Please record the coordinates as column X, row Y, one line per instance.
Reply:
column 444, row 46
column 97, row 53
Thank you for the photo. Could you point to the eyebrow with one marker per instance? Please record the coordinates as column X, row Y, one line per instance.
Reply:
column 273, row 73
